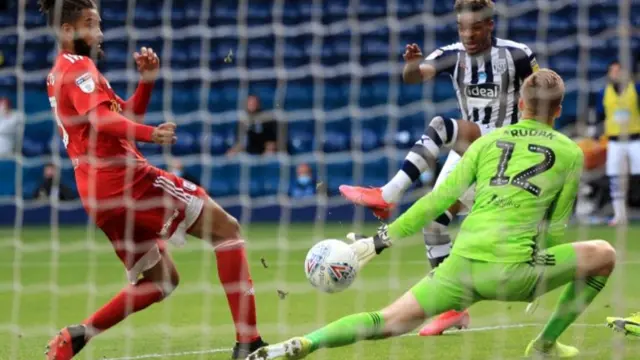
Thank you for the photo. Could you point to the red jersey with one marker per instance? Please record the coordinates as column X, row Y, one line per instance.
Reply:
column 105, row 166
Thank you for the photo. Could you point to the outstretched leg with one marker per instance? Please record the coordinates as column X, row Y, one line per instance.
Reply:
column 155, row 284
column 223, row 232
column 595, row 260
column 441, row 132
column 431, row 296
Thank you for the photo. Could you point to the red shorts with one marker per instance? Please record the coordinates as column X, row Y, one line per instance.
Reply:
column 164, row 206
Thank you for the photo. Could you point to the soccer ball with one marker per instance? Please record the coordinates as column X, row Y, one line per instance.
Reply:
column 331, row 266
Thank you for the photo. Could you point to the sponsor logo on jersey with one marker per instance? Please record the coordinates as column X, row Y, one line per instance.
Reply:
column 483, row 91
column 86, row 83
column 115, row 106
column 499, row 66
column 534, row 65
column 482, row 76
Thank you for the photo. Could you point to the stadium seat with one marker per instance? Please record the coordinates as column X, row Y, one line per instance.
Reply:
column 336, row 92
column 338, row 173
column 299, row 94
column 376, row 172
column 224, row 180
column 264, row 178
column 374, row 132
column 219, row 138
column 223, row 12
column 300, row 136
column 337, row 136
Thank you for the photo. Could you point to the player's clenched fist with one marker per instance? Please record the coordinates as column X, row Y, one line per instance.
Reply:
column 412, row 52
column 164, row 134
column 148, row 63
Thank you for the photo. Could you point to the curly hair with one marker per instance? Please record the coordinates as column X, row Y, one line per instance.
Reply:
column 484, row 6
column 59, row 12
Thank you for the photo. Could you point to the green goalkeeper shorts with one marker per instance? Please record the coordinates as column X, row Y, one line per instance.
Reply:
column 460, row 282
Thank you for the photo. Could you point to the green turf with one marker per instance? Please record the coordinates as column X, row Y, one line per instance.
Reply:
column 43, row 289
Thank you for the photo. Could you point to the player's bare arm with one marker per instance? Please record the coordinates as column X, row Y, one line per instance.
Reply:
column 148, row 64
column 415, row 71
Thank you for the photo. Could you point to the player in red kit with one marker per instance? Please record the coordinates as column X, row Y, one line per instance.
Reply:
column 135, row 204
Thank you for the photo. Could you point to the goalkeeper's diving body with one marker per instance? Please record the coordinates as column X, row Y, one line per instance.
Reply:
column 510, row 246
column 487, row 73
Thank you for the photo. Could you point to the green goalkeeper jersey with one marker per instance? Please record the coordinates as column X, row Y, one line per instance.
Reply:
column 526, row 177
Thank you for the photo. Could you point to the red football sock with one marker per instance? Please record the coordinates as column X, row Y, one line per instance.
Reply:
column 129, row 300
column 233, row 271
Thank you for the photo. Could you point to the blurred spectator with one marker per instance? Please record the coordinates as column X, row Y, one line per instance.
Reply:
column 304, row 185
column 51, row 187
column 257, row 131
column 177, row 168
column 619, row 107
column 9, row 126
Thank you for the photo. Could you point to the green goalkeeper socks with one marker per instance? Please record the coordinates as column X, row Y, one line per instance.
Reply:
column 575, row 298
column 348, row 330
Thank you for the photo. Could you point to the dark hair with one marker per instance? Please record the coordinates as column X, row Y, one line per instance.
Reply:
column 484, row 6
column 59, row 12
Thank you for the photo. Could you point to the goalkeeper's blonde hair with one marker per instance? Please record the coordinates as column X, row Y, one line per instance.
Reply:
column 542, row 93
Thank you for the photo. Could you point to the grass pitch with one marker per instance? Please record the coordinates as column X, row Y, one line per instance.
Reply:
column 45, row 285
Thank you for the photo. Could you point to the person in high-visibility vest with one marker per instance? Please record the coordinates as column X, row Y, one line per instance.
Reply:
column 619, row 107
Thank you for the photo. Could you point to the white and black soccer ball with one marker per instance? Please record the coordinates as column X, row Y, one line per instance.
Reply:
column 331, row 266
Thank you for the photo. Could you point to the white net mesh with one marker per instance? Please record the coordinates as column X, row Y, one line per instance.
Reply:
column 330, row 73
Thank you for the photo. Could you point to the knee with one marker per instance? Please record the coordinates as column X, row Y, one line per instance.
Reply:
column 170, row 284
column 605, row 255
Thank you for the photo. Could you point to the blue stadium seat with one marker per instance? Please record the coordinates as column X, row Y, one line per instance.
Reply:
column 32, row 147
column 36, row 99
column 376, row 48
column 185, row 97
column 219, row 138
column 338, row 173
column 376, row 172
column 443, row 89
column 407, row 8
column 410, row 94
column 224, row 180
column 300, row 136
column 442, row 7
column 264, row 178
column 336, row 49
column 40, row 131
column 337, row 136
column 259, row 13
column 146, row 16
column 223, row 96
column 374, row 132
column 410, row 128
column 299, row 94
column 113, row 17
column 335, row 10
column 186, row 144
column 374, row 91
column 370, row 9
column 7, row 178
column 260, row 53
column 336, row 92
column 223, row 12
column 117, row 53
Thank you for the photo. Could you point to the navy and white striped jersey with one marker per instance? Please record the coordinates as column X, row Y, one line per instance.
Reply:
column 487, row 85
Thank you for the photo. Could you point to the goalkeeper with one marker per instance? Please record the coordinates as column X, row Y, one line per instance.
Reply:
column 510, row 246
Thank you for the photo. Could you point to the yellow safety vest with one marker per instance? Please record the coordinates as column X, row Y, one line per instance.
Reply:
column 622, row 116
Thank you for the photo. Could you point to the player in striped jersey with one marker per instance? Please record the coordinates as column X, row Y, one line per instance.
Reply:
column 486, row 73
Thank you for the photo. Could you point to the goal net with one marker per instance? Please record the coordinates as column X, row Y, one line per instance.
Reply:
column 329, row 73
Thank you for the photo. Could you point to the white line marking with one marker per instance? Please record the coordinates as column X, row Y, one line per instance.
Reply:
column 220, row 350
